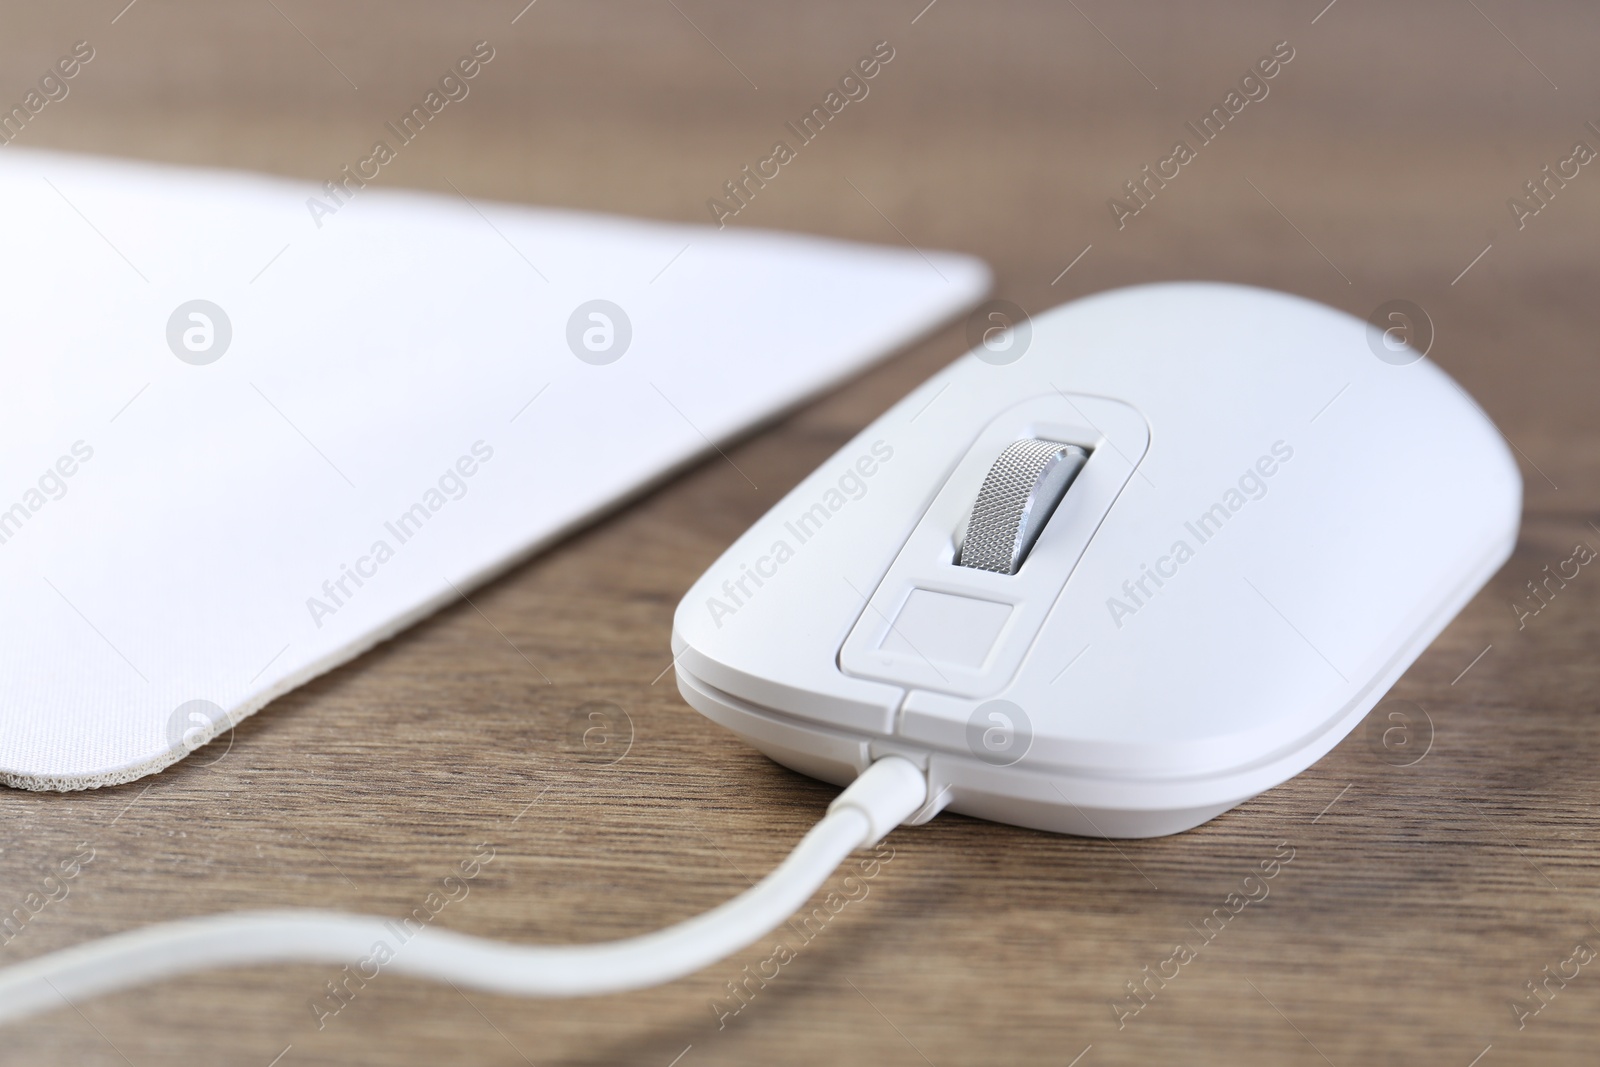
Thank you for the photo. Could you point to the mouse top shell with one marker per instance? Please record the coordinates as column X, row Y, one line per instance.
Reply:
column 1272, row 524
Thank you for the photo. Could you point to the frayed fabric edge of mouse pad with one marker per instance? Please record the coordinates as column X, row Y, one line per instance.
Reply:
column 251, row 437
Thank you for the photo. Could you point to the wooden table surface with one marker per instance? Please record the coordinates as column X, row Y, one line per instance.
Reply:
column 1420, row 899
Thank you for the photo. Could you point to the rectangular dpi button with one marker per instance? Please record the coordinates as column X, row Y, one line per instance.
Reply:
column 946, row 628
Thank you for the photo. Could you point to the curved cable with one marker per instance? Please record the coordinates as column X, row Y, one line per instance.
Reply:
column 879, row 800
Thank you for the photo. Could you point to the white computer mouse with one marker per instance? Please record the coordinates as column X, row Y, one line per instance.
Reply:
column 1115, row 571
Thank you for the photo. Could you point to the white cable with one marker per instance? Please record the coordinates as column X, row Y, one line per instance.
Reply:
column 879, row 800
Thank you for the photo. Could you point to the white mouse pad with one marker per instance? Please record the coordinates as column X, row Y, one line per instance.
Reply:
column 251, row 427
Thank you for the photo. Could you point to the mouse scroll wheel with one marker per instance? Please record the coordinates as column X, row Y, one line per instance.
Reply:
column 1017, row 498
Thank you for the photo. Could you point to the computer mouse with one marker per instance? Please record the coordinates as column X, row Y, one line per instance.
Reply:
column 1116, row 570
column 1112, row 573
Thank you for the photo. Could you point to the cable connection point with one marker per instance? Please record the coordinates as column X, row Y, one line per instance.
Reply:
column 888, row 793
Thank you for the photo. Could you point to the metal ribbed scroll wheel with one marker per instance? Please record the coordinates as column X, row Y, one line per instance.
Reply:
column 1017, row 498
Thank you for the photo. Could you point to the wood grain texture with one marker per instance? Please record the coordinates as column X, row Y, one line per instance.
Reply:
column 1419, row 899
